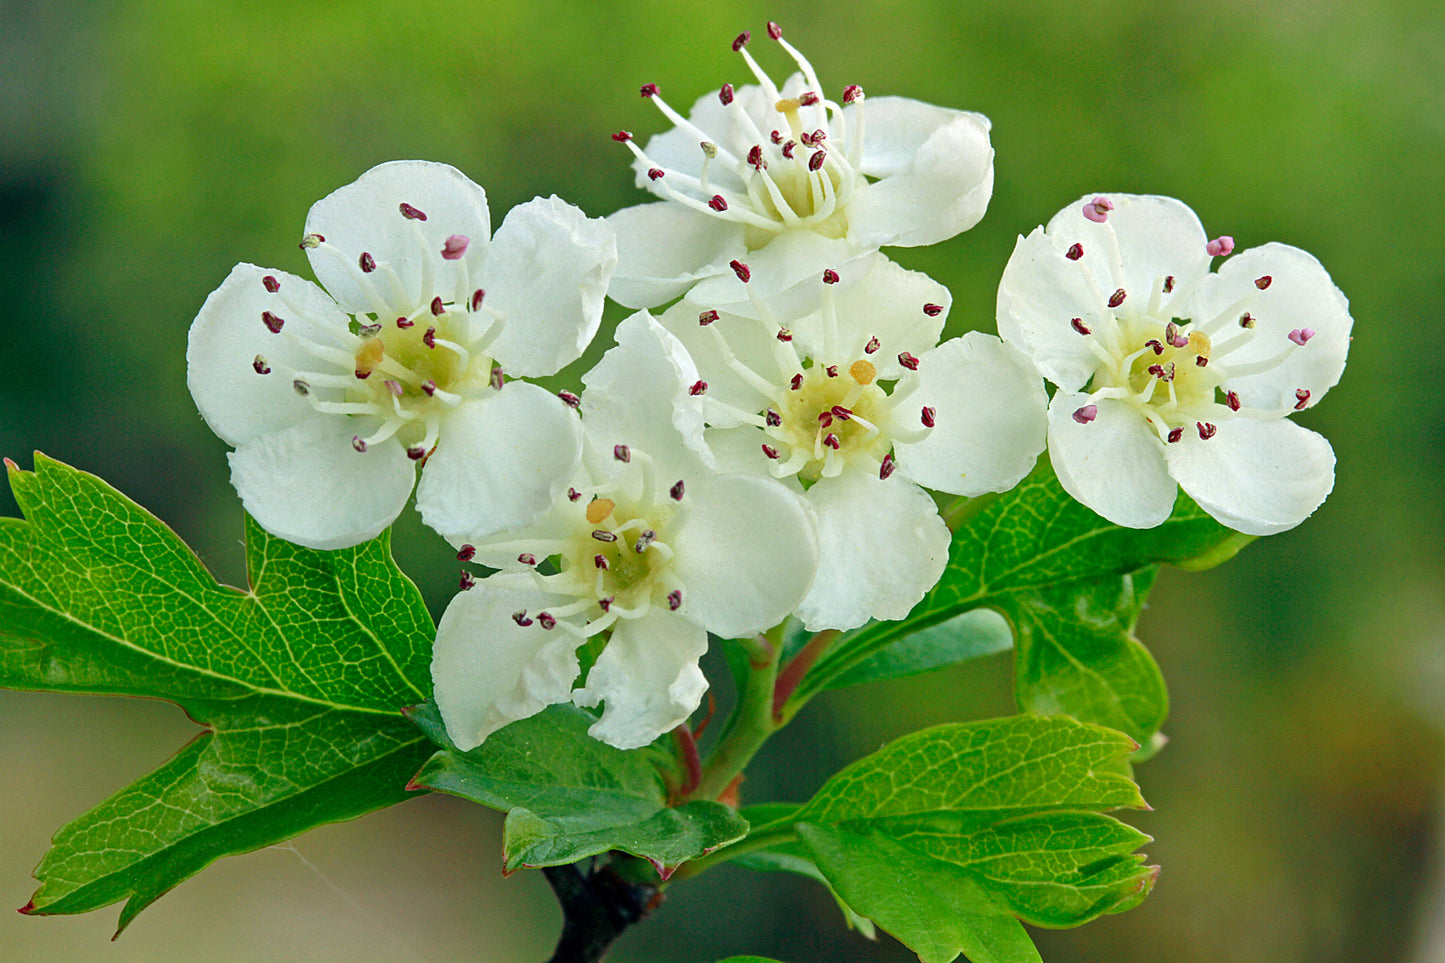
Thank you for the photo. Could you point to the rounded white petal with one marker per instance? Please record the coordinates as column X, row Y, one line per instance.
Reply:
column 936, row 174
column 664, row 248
column 1040, row 293
column 1258, row 477
column 308, row 485
column 546, row 274
column 745, row 554
column 487, row 670
column 649, row 677
column 1156, row 237
column 790, row 257
column 365, row 216
column 1114, row 464
column 500, row 462
column 228, row 336
column 1300, row 296
column 989, row 411
column 882, row 546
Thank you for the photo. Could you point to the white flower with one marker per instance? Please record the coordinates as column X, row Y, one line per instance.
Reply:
column 1168, row 373
column 786, row 179
column 647, row 544
column 841, row 387
column 331, row 398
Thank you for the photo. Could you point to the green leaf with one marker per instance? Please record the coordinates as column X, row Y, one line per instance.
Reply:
column 948, row 837
column 749, row 959
column 970, row 635
column 568, row 796
column 298, row 681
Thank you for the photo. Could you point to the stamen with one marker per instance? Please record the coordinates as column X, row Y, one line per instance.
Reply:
column 546, row 621
column 367, row 263
column 674, row 599
column 886, row 469
column 718, row 203
column 1231, row 398
column 644, row 540
column 852, row 93
column 603, row 535
column 521, row 618
column 260, row 365
column 1263, row 282
column 830, row 276
column 770, row 451
column 466, row 553
column 872, row 346
column 815, row 162
column 622, row 453
column 573, row 494
column 784, row 335
column 741, row 270
column 1175, row 434
column 622, row 136
column 437, row 308
column 698, row 387
column 416, row 452
column 648, row 90
column 1301, row 335
column 404, row 323
column 527, row 558
column 1075, row 252
column 741, row 40
column 933, row 310
column 775, row 31
column 908, row 361
column 1117, row 298
column 273, row 323
column 312, row 240
column 498, row 378
column 1220, row 247
column 569, row 399
column 271, row 283
column 725, row 94
column 454, row 247
column 600, row 561
column 796, row 383
column 706, row 318
column 928, row 413
column 1206, row 430
column 1168, row 283
column 410, row 213
column 1098, row 209
column 655, row 173
column 676, row 491
column 1155, row 344
column 302, row 388
column 1303, row 396
column 830, row 440
column 1078, row 325
column 466, row 581
column 1246, row 320
column 358, row 443
column 1086, row 414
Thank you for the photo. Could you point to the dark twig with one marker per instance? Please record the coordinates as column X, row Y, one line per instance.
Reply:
column 597, row 906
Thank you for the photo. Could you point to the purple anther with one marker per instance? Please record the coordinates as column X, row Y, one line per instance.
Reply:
column 808, row 98
column 1168, row 283
column 369, row 330
column 788, row 149
column 771, row 418
column 1098, row 209
column 1231, row 398
column 1221, row 246
column 815, row 163
column 886, row 469
column 677, row 490
column 741, row 270
column 498, row 379
column 725, row 94
column 1201, row 361
column 852, row 93
column 600, row 561
column 830, row 440
column 415, row 452
column 569, row 399
column 1086, row 414
column 755, row 157
column 466, row 553
column 521, row 618
column 1246, row 320
column 819, row 135
column 1117, row 298
column 466, row 581
column 429, row 388
column 271, row 283
column 454, row 247
column 775, row 31
column 784, row 335
column 300, row 387
column 605, row 604
column 573, row 494
column 655, row 173
column 1171, row 335
column 1301, row 335
column 928, row 413
column 622, row 136
column 394, row 387
column 1164, row 372
column 1156, row 344
column 546, row 621
column 1206, row 430
column 273, row 323
column 622, row 453
column 770, row 451
column 908, row 361
column 367, row 263
column 1263, row 282
column 1075, row 252
column 259, row 365
column 872, row 346
column 741, row 40
column 602, row 535
column 796, row 383
column 830, row 276
column 825, row 419
column 429, row 338
column 718, row 203
column 933, row 310
column 841, row 413
column 1078, row 325
column 411, row 213
column 776, row 137
column 358, row 442
column 806, row 139
column 1175, row 434
column 404, row 322
column 645, row 539
column 312, row 240
column 527, row 558
column 674, row 600
column 831, row 371
column 698, row 387
column 1302, row 399
column 648, row 90
column 437, row 307
column 707, row 318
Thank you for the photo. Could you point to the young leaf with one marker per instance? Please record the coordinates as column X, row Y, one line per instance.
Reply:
column 969, row 635
column 298, row 681
column 568, row 796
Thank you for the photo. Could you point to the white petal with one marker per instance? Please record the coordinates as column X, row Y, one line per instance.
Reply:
column 227, row 337
column 750, row 341
column 665, row 248
column 307, row 484
column 487, row 670
column 936, row 170
column 1040, row 293
column 745, row 554
column 1257, row 477
column 1113, row 464
column 1300, row 295
column 788, row 258
column 365, row 216
column 990, row 421
column 649, row 678
column 546, row 273
column 882, row 547
column 501, row 461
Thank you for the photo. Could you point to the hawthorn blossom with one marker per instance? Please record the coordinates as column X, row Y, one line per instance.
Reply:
column 648, row 548
column 786, row 179
column 844, row 392
column 1168, row 373
column 332, row 398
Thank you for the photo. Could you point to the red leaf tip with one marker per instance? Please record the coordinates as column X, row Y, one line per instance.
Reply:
column 29, row 908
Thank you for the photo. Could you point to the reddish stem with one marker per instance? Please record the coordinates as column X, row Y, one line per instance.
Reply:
column 795, row 670
column 687, row 750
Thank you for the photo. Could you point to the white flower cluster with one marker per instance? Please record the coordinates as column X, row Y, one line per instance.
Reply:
column 770, row 443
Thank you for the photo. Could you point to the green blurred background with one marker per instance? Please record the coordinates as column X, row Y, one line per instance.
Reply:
column 147, row 145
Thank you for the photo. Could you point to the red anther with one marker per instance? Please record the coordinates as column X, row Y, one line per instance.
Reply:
column 622, row 453
column 1161, row 371
column 784, row 335
column 606, row 604
column 1246, row 320
column 1175, row 434
column 367, row 263
column 842, row 413
column 819, row 135
column 718, row 203
column 806, row 139
column 521, row 618
column 416, row 452
column 301, row 387
column 466, row 581
column 1155, row 344
column 498, row 378
column 527, row 558
column 797, row 382
column 1168, row 283
column 776, row 137
column 886, row 469
column 430, row 338
column 851, row 93
column 1201, row 361
column 573, row 494
column 933, row 310
column 825, row 419
column 429, row 387
column 770, row 451
column 831, row 371
column 872, row 346
column 600, row 561
column 404, row 322
column 674, row 599
column 755, row 157
column 815, row 163
column 830, row 276
column 361, row 374
column 437, row 307
column 908, row 361
column 741, row 40
column 771, row 418
column 1086, row 414
column 676, row 491
column 1263, row 282
column 1075, row 252
column 602, row 535
column 648, row 90
column 707, row 318
column 741, row 270
column 655, row 173
column 369, row 330
column 546, row 621
column 928, row 413
column 273, row 323
column 260, row 366
column 698, row 387
column 788, row 149
column 1206, row 430
column 774, row 31
column 476, row 301
column 622, row 136
column 312, row 240
column 466, row 553
column 1231, row 398
column 570, row 400
column 1078, row 325
column 454, row 247
column 271, row 283
column 831, row 441
column 1117, row 298
column 725, row 94
column 411, row 213
column 358, row 443
column 1302, row 396
column 808, row 98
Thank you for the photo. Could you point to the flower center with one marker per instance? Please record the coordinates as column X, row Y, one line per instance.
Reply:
column 826, row 417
